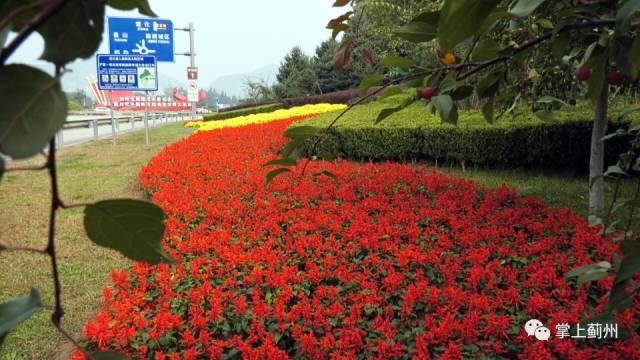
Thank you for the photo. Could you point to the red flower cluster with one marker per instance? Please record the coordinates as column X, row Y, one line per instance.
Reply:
column 392, row 261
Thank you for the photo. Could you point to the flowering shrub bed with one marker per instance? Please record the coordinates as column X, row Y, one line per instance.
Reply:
column 298, row 112
column 393, row 261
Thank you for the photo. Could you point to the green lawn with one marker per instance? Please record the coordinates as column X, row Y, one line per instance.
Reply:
column 87, row 172
column 562, row 190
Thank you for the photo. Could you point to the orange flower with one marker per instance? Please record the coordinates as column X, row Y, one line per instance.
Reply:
column 447, row 58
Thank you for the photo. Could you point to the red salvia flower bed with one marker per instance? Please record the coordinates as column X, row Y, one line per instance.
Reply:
column 393, row 261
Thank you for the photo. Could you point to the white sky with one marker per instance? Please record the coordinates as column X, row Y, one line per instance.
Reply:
column 232, row 37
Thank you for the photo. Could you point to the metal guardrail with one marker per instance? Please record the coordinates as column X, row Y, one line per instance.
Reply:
column 94, row 122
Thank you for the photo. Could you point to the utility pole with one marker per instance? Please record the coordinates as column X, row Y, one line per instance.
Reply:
column 192, row 55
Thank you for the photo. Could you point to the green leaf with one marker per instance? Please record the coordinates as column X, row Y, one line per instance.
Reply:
column 444, row 105
column 385, row 113
column 2, row 167
column 490, row 22
column 625, row 13
column 302, row 132
column 74, row 32
column 341, row 3
column 34, row 108
column 547, row 116
column 629, row 266
column 545, row 24
column 525, row 7
column 328, row 174
column 579, row 271
column 432, row 80
column 368, row 82
column 634, row 58
column 14, row 312
column 447, row 85
column 273, row 173
column 285, row 161
column 398, row 61
column 487, row 110
column 461, row 92
column 615, row 170
column 291, row 149
column 485, row 50
column 423, row 28
column 488, row 85
column 592, row 276
column 108, row 355
column 619, row 300
column 550, row 100
column 391, row 91
column 132, row 227
column 460, row 19
column 142, row 6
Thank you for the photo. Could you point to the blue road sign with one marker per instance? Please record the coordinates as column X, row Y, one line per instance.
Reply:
column 127, row 72
column 129, row 36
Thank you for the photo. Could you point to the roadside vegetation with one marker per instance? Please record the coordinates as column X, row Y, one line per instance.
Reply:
column 87, row 172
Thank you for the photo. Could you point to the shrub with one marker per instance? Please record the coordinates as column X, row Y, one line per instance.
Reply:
column 414, row 133
column 244, row 112
column 74, row 106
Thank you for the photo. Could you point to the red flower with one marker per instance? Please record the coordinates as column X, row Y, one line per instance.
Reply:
column 393, row 260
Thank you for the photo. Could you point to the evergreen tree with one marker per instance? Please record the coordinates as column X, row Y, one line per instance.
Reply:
column 296, row 75
column 329, row 79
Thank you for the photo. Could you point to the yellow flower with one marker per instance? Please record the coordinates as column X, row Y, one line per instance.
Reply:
column 449, row 59
column 282, row 114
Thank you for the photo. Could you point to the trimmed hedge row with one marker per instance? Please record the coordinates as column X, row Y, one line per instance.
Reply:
column 244, row 112
column 414, row 133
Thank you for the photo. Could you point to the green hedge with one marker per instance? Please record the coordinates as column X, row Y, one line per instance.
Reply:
column 244, row 112
column 414, row 133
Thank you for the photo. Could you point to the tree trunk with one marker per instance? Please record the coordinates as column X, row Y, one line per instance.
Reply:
column 596, row 163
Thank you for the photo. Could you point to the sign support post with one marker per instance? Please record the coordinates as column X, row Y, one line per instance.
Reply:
column 146, row 118
column 192, row 55
column 128, row 73
column 113, row 124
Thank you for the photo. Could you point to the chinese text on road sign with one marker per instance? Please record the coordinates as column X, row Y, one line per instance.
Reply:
column 141, row 37
column 127, row 72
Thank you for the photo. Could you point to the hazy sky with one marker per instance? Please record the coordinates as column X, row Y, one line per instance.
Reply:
column 231, row 36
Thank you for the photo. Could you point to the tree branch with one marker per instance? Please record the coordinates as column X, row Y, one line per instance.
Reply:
column 532, row 43
column 58, row 313
column 46, row 14
column 13, row 14
column 26, row 249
